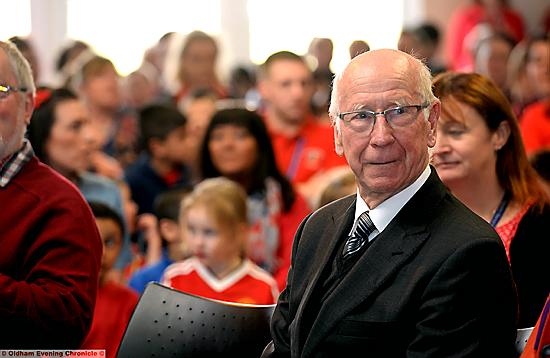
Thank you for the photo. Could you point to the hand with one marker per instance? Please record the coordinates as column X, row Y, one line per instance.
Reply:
column 148, row 224
column 106, row 165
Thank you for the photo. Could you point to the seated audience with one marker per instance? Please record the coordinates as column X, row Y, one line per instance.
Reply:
column 428, row 40
column 237, row 146
column 342, row 184
column 491, row 59
column 115, row 302
column 303, row 147
column 320, row 56
column 197, row 66
column 357, row 47
column 408, row 42
column 97, row 83
column 541, row 163
column 198, row 108
column 51, row 249
column 25, row 46
column 242, row 86
column 59, row 132
column 480, row 157
column 161, row 164
column 214, row 227
column 169, row 243
column 468, row 22
column 69, row 61
column 141, row 87
column 535, row 126
column 535, row 118
column 156, row 56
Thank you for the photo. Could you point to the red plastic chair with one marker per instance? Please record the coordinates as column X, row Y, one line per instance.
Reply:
column 538, row 344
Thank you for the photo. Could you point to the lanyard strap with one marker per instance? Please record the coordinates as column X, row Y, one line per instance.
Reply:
column 295, row 159
column 500, row 210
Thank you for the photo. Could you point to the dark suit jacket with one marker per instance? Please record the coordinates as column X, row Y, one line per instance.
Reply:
column 434, row 283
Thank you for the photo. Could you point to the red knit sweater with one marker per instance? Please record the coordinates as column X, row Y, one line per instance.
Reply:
column 49, row 261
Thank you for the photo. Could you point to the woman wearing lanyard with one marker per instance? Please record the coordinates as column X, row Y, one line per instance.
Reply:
column 480, row 156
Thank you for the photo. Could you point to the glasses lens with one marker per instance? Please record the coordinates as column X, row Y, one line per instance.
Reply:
column 401, row 116
column 360, row 121
column 4, row 91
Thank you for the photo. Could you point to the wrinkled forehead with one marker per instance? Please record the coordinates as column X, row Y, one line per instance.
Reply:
column 376, row 81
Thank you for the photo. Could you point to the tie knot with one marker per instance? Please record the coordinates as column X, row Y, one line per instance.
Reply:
column 360, row 236
column 364, row 226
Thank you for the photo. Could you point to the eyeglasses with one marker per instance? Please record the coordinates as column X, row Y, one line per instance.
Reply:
column 397, row 117
column 5, row 90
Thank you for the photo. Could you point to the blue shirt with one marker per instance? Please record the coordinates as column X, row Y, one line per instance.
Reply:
column 140, row 278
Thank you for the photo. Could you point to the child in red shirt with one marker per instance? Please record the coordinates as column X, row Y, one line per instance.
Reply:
column 213, row 220
column 115, row 302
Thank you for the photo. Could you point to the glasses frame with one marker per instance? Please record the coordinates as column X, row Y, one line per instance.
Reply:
column 5, row 90
column 374, row 114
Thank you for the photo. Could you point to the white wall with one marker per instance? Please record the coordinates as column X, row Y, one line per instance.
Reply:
column 345, row 20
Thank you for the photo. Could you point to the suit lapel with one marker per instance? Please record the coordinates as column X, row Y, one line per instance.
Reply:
column 330, row 235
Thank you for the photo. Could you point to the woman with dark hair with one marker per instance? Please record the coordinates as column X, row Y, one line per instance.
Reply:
column 236, row 145
column 60, row 135
column 480, row 156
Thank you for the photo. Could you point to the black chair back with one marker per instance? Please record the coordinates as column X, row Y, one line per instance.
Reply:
column 171, row 323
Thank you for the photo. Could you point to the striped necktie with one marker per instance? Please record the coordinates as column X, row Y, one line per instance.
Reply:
column 360, row 235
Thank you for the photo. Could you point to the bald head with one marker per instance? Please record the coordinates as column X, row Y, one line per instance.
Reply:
column 378, row 69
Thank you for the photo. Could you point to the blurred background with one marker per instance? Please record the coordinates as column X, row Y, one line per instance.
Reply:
column 247, row 30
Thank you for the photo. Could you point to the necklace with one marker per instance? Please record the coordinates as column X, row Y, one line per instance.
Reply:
column 500, row 209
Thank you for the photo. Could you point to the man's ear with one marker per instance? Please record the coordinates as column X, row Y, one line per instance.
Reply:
column 338, row 148
column 433, row 118
column 29, row 107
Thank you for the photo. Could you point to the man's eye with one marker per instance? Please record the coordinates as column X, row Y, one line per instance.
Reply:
column 397, row 111
column 360, row 115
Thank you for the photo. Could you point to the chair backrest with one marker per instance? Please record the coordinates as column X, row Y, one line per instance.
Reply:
column 538, row 345
column 522, row 337
column 171, row 323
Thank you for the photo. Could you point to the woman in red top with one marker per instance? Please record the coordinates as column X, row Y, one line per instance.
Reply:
column 480, row 156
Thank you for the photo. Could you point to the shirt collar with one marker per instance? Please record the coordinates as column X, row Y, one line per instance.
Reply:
column 14, row 164
column 388, row 209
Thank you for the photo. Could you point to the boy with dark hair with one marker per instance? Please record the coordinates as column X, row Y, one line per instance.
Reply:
column 115, row 302
column 161, row 165
column 170, row 246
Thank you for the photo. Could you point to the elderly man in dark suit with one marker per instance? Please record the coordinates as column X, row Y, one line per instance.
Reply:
column 400, row 269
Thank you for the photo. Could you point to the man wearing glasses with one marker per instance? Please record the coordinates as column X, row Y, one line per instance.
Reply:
column 401, row 268
column 50, row 248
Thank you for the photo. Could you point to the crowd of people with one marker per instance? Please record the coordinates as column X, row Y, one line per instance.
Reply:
column 383, row 208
